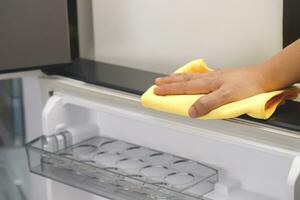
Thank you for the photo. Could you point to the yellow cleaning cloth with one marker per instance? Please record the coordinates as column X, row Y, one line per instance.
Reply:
column 261, row 106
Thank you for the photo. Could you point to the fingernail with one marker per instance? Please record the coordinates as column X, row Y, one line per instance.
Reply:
column 193, row 112
column 157, row 80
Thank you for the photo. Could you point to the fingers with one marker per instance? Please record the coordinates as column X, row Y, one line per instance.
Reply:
column 178, row 78
column 209, row 102
column 197, row 86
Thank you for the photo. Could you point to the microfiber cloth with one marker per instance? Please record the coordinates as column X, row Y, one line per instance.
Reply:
column 261, row 106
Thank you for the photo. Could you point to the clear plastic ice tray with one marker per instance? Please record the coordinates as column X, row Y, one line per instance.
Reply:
column 119, row 170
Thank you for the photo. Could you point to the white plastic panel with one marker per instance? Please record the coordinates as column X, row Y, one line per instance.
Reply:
column 247, row 169
column 160, row 35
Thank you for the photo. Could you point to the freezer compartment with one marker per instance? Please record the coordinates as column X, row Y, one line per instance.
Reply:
column 248, row 167
column 117, row 169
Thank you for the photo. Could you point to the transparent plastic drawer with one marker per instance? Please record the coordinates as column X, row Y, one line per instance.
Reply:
column 119, row 170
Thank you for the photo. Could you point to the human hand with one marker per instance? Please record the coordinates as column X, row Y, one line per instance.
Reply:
column 221, row 86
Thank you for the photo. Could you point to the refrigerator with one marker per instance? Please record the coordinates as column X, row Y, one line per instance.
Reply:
column 98, row 142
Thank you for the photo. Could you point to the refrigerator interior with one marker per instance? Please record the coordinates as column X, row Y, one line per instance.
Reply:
column 251, row 162
column 248, row 167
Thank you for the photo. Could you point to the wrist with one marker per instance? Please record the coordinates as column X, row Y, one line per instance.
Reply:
column 266, row 77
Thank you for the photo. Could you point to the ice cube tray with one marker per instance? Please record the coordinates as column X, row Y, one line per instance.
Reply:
column 120, row 170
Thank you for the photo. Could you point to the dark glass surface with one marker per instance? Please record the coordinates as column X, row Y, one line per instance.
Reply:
column 138, row 81
column 108, row 75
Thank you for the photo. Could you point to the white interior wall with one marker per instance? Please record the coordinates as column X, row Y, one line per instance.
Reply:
column 237, row 55
column 160, row 35
column 85, row 29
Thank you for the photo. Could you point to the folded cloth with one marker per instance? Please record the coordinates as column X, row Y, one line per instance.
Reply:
column 261, row 106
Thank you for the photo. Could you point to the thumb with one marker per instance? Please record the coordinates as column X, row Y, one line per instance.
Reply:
column 207, row 103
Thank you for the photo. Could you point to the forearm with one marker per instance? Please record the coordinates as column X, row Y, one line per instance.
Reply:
column 283, row 69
